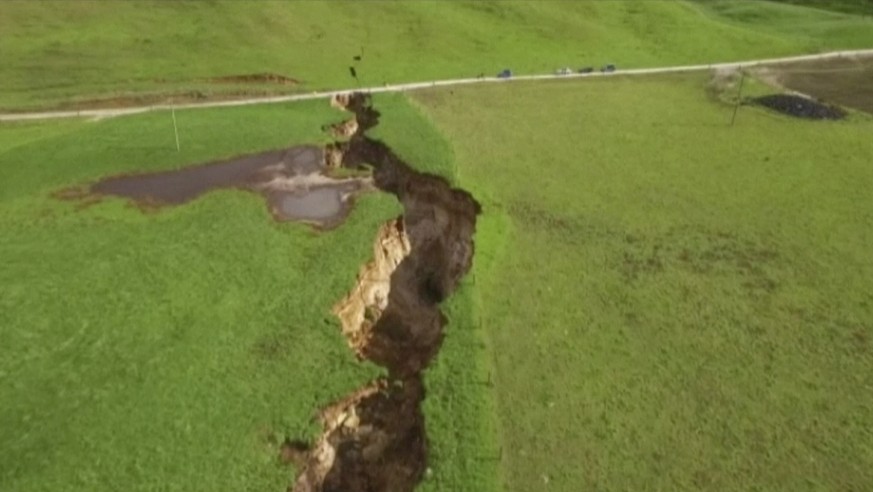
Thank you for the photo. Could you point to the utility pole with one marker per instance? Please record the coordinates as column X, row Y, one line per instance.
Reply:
column 739, row 97
column 175, row 128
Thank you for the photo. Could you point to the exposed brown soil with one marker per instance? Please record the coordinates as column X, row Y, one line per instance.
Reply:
column 439, row 221
column 845, row 81
column 291, row 180
column 374, row 440
column 363, row 306
column 800, row 107
column 255, row 78
column 333, row 156
column 701, row 251
column 343, row 130
column 80, row 194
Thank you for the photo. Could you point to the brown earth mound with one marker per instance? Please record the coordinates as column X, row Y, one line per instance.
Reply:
column 342, row 130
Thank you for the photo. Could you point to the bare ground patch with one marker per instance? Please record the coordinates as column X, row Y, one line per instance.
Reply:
column 846, row 81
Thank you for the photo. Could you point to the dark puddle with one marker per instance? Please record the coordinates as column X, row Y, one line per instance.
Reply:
column 375, row 440
column 293, row 181
column 800, row 107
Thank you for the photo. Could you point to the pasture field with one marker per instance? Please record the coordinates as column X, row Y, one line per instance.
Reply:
column 95, row 53
column 659, row 300
column 174, row 350
column 671, row 303
column 862, row 7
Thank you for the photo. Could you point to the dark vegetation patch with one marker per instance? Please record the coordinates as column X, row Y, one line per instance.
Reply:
column 852, row 335
column 256, row 78
column 800, row 107
column 860, row 7
column 701, row 252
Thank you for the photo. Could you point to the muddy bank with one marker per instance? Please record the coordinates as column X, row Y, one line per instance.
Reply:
column 800, row 107
column 293, row 182
column 439, row 222
column 374, row 440
column 363, row 306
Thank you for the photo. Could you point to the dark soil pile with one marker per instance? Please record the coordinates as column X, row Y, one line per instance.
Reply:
column 800, row 107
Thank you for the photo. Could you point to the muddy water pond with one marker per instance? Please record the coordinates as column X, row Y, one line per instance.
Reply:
column 292, row 181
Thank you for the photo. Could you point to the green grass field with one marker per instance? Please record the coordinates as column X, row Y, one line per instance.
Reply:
column 165, row 351
column 58, row 52
column 863, row 7
column 659, row 301
column 671, row 303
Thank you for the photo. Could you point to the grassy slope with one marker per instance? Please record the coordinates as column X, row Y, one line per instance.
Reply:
column 162, row 351
column 673, row 304
column 55, row 51
column 863, row 7
column 810, row 26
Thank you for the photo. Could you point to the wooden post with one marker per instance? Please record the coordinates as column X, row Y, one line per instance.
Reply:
column 739, row 97
column 175, row 129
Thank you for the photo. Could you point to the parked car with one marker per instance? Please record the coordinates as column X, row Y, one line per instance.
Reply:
column 505, row 74
column 586, row 69
column 563, row 71
column 608, row 68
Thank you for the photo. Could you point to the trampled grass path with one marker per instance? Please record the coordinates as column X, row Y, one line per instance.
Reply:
column 108, row 113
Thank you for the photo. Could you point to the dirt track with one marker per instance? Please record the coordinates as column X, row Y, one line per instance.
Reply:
column 109, row 113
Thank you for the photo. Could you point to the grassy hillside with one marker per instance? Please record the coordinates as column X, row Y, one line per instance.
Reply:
column 58, row 52
column 170, row 350
column 671, row 303
column 155, row 351
column 815, row 27
column 862, row 7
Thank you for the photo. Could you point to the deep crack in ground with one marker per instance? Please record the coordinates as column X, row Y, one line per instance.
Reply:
column 374, row 439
